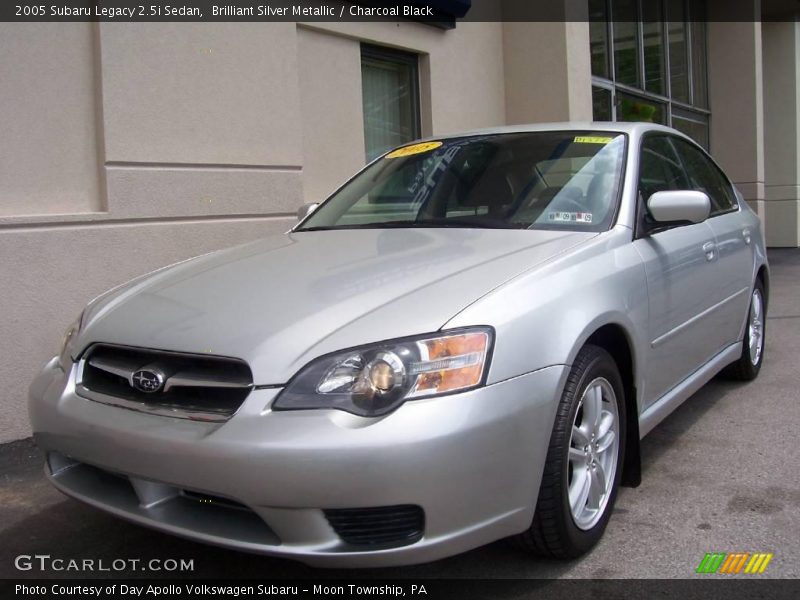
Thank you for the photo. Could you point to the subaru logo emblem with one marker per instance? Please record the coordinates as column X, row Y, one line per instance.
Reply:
column 147, row 380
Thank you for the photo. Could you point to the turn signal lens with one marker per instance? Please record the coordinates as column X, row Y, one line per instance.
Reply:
column 67, row 342
column 452, row 363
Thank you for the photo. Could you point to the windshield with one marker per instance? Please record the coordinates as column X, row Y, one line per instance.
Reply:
column 567, row 180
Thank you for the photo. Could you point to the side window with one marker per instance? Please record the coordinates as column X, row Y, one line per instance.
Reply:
column 660, row 169
column 704, row 176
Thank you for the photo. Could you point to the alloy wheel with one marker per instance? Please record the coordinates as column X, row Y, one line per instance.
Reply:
column 593, row 453
column 756, row 326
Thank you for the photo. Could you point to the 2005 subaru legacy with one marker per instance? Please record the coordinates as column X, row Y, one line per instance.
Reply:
column 464, row 343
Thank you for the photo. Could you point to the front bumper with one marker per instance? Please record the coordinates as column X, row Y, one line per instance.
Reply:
column 471, row 461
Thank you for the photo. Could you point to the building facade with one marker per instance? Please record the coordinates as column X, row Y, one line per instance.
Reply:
column 130, row 146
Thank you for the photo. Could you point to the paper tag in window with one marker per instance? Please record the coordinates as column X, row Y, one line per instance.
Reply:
column 414, row 149
column 570, row 217
column 588, row 139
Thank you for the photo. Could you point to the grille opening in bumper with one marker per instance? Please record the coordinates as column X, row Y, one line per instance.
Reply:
column 201, row 387
column 378, row 526
column 220, row 520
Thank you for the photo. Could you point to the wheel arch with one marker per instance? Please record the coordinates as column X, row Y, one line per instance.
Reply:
column 763, row 276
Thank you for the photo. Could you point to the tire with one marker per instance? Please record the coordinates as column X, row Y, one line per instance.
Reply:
column 557, row 530
column 748, row 366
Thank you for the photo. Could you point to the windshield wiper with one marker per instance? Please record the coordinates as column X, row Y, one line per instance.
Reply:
column 382, row 225
column 468, row 223
column 427, row 223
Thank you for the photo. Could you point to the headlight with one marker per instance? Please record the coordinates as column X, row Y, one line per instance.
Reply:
column 374, row 380
column 65, row 355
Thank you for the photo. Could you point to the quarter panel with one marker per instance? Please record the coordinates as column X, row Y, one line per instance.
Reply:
column 751, row 220
column 735, row 244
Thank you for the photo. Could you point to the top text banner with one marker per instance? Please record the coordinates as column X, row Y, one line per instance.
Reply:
column 442, row 13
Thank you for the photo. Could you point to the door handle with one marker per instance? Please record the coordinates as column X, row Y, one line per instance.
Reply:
column 709, row 248
column 746, row 236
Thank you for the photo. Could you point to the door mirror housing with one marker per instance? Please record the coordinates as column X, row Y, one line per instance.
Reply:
column 306, row 210
column 680, row 207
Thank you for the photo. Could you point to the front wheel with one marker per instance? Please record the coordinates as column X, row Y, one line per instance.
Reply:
column 747, row 367
column 584, row 460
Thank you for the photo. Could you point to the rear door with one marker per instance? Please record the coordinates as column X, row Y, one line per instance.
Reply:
column 680, row 266
column 734, row 266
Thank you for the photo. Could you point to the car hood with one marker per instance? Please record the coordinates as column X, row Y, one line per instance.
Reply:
column 283, row 300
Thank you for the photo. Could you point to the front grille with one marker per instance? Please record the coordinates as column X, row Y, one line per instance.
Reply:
column 192, row 386
column 378, row 526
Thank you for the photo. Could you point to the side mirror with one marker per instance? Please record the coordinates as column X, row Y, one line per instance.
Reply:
column 679, row 207
column 306, row 210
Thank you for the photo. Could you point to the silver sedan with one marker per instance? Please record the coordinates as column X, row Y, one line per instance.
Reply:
column 465, row 342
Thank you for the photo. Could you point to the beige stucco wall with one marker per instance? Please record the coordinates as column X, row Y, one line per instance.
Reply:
column 206, row 93
column 547, row 72
column 48, row 158
column 781, row 49
column 736, row 102
column 754, row 70
column 330, row 96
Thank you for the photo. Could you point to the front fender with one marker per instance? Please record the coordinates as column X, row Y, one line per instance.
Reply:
column 545, row 316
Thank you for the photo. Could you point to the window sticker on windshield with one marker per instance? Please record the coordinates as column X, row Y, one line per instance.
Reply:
column 570, row 217
column 414, row 149
column 588, row 139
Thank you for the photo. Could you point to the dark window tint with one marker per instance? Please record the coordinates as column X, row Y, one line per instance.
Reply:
column 660, row 169
column 638, row 108
column 601, row 104
column 651, row 57
column 598, row 37
column 704, row 176
column 699, row 63
column 626, row 42
column 678, row 50
column 653, row 47
column 693, row 124
column 390, row 96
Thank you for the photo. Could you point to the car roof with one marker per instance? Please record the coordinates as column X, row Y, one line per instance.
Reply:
column 633, row 129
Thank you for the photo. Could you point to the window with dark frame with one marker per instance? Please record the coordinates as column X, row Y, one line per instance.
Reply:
column 390, row 95
column 648, row 60
column 670, row 163
column 705, row 176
